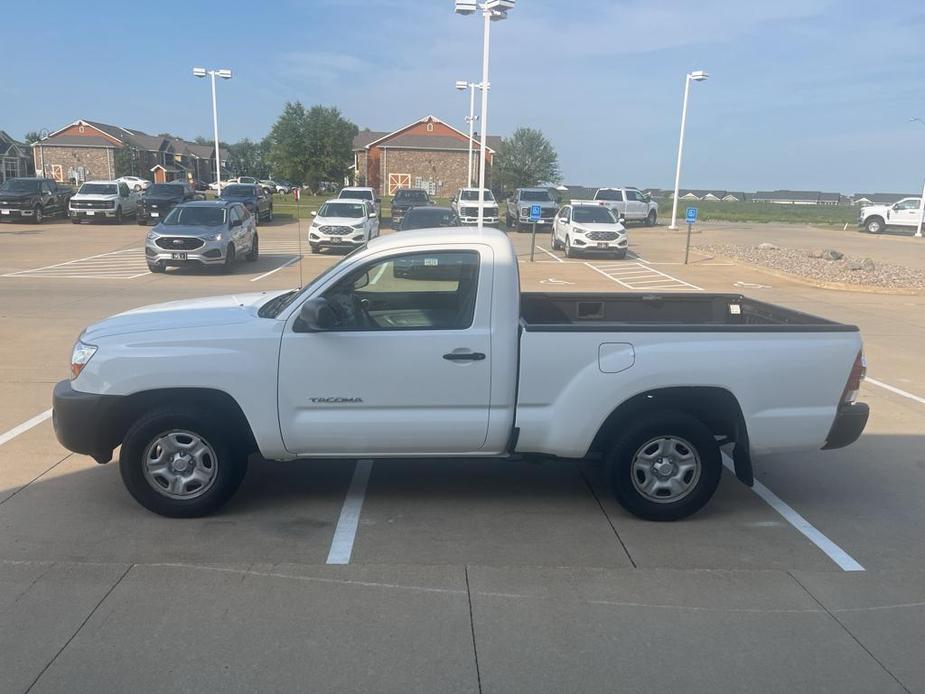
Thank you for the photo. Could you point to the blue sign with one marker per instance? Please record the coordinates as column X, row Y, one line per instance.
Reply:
column 535, row 212
column 691, row 215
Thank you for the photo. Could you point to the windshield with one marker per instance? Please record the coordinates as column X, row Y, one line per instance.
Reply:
column 535, row 196
column 428, row 218
column 275, row 306
column 21, row 186
column 98, row 189
column 342, row 209
column 592, row 214
column 615, row 195
column 357, row 194
column 238, row 191
column 474, row 195
column 166, row 190
column 196, row 216
column 411, row 196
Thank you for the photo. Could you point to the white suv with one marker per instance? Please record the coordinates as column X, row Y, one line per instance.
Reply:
column 343, row 223
column 588, row 228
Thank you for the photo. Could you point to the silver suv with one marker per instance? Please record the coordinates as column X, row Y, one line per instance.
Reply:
column 204, row 233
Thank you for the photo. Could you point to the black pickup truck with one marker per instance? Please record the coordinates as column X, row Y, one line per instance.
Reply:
column 33, row 198
column 405, row 199
column 160, row 198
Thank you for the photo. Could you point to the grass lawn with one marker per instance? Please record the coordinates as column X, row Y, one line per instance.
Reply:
column 284, row 205
column 715, row 211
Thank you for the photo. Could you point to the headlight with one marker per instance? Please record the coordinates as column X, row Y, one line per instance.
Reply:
column 152, row 235
column 218, row 237
column 359, row 226
column 80, row 356
column 579, row 230
column 316, row 223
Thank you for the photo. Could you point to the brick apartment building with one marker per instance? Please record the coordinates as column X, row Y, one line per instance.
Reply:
column 86, row 150
column 426, row 154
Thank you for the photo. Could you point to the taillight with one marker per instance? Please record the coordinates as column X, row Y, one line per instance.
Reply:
column 858, row 372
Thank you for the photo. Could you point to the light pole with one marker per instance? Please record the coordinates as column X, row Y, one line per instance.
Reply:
column 492, row 11
column 918, row 231
column 225, row 74
column 695, row 76
column 462, row 85
column 43, row 135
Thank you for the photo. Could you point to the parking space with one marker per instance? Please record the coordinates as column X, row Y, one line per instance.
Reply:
column 493, row 575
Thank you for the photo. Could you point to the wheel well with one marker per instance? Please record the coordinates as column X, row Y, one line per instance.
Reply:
column 874, row 216
column 717, row 408
column 215, row 402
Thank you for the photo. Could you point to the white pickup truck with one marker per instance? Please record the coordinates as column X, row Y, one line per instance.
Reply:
column 421, row 344
column 630, row 204
column 902, row 214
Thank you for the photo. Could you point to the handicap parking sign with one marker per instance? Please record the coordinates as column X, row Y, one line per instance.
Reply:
column 691, row 215
column 535, row 213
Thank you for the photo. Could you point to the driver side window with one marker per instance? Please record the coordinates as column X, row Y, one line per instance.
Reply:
column 415, row 291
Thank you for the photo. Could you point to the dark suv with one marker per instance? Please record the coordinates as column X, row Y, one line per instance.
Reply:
column 160, row 198
column 405, row 199
column 253, row 197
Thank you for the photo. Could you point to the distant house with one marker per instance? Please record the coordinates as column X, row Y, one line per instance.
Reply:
column 880, row 198
column 796, row 197
column 688, row 194
column 89, row 149
column 737, row 197
column 15, row 159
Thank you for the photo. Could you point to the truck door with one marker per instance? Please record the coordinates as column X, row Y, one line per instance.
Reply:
column 636, row 207
column 405, row 370
column 906, row 212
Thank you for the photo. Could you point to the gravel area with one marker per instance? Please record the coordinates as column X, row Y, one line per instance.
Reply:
column 817, row 265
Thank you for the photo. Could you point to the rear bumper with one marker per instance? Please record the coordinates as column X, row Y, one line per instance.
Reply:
column 848, row 425
column 86, row 423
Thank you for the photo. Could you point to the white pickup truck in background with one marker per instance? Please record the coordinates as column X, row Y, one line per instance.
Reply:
column 904, row 214
column 420, row 344
column 631, row 204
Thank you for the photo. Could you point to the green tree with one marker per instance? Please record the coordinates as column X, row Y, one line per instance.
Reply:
column 247, row 158
column 127, row 161
column 525, row 159
column 310, row 145
column 202, row 140
column 31, row 136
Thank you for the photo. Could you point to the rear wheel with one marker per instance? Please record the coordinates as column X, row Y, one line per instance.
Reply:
column 665, row 466
column 179, row 462
column 254, row 252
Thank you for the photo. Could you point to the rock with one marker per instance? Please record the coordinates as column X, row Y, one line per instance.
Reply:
column 868, row 265
column 767, row 247
column 855, row 265
column 814, row 253
column 831, row 254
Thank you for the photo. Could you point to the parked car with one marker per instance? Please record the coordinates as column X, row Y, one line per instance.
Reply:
column 588, row 228
column 284, row 186
column 429, row 218
column 903, row 214
column 205, row 233
column 362, row 193
column 199, row 185
column 160, row 198
column 269, row 187
column 343, row 223
column 466, row 205
column 253, row 197
column 517, row 214
column 405, row 199
column 33, row 199
column 216, row 187
column 96, row 200
column 135, row 183
column 629, row 203
column 654, row 385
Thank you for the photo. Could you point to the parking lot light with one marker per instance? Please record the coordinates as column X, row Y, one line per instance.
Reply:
column 492, row 10
column 462, row 85
column 695, row 76
column 225, row 74
column 918, row 230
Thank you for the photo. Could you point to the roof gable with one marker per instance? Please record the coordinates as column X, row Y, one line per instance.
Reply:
column 427, row 120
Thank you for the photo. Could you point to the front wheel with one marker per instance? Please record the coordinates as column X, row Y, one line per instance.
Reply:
column 228, row 266
column 874, row 225
column 119, row 217
column 665, row 466
column 38, row 214
column 254, row 252
column 569, row 250
column 270, row 215
column 178, row 462
column 651, row 218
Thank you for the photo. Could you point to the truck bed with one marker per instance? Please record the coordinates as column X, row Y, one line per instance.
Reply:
column 665, row 312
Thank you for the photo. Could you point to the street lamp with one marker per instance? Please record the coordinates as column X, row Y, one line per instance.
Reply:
column 492, row 11
column 462, row 85
column 918, row 231
column 695, row 76
column 225, row 74
column 43, row 135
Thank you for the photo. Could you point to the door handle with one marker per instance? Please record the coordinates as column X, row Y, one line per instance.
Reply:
column 464, row 356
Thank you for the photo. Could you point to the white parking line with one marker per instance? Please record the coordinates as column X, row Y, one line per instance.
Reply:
column 24, row 427
column 286, row 264
column 550, row 254
column 844, row 560
column 126, row 264
column 642, row 277
column 346, row 530
column 894, row 389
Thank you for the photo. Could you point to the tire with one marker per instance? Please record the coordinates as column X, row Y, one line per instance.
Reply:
column 507, row 221
column 620, row 255
column 119, row 218
column 651, row 219
column 75, row 220
column 673, row 437
column 315, row 248
column 270, row 215
column 257, row 217
column 137, row 187
column 156, row 267
column 220, row 467
column 228, row 266
column 554, row 243
column 38, row 214
column 569, row 251
column 874, row 225
column 254, row 252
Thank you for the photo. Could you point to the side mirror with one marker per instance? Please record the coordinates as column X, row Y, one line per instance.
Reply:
column 378, row 200
column 236, row 222
column 314, row 213
column 622, row 220
column 372, row 214
column 316, row 315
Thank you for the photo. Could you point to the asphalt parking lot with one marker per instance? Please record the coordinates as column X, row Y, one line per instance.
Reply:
column 446, row 576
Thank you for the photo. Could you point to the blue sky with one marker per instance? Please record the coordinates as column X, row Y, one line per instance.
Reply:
column 809, row 94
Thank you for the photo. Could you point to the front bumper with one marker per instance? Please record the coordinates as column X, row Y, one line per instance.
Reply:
column 487, row 219
column 145, row 216
column 95, row 213
column 318, row 240
column 592, row 246
column 15, row 213
column 210, row 253
column 86, row 423
column 848, row 425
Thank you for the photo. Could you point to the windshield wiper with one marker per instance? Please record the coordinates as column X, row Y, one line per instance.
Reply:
column 274, row 306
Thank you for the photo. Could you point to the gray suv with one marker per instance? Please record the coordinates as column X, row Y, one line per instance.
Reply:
column 206, row 233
